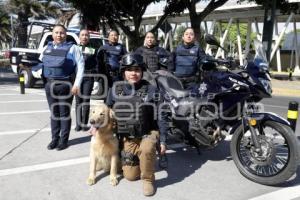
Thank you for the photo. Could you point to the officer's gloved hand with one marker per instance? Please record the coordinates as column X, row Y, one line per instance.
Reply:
column 163, row 159
column 96, row 87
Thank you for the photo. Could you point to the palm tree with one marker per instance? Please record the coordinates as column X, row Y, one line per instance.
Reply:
column 26, row 9
column 5, row 32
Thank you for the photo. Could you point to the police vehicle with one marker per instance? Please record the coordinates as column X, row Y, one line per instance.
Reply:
column 25, row 60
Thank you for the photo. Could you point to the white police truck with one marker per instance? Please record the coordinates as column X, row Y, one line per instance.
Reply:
column 25, row 60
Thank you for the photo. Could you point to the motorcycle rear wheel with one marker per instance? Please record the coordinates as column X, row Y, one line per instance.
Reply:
column 278, row 160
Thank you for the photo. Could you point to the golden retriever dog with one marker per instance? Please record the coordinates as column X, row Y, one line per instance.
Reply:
column 104, row 150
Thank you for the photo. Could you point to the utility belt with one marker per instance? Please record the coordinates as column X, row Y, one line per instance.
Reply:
column 131, row 131
column 69, row 80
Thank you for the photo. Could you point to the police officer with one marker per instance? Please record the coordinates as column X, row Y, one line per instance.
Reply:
column 83, row 99
column 108, row 57
column 153, row 55
column 135, row 106
column 61, row 61
column 184, row 61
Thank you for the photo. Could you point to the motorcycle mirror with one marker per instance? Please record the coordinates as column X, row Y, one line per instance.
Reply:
column 210, row 39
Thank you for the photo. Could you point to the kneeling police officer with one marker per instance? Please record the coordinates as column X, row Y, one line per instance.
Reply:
column 135, row 104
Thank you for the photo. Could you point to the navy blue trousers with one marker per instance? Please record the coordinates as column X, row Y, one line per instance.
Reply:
column 59, row 99
column 83, row 102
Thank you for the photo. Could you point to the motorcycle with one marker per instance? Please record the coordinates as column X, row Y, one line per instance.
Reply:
column 263, row 146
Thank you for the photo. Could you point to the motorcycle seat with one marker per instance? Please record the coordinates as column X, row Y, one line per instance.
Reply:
column 178, row 93
column 173, row 87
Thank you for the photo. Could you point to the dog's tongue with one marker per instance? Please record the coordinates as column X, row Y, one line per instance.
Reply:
column 93, row 130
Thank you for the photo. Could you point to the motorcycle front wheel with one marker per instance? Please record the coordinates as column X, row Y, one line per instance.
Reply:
column 277, row 159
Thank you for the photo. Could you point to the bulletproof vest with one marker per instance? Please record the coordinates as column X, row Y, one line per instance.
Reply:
column 151, row 58
column 57, row 63
column 113, row 53
column 135, row 118
column 186, row 61
column 89, row 58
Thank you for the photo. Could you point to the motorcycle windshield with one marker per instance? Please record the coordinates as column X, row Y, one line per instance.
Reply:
column 260, row 59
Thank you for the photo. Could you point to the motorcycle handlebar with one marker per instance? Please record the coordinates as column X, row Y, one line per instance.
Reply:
column 230, row 63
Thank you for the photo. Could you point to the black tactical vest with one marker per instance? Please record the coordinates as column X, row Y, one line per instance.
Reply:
column 135, row 117
column 151, row 58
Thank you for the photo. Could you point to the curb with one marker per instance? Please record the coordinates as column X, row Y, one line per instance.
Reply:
column 285, row 92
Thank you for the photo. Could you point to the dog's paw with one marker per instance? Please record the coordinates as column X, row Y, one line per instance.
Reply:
column 90, row 181
column 114, row 181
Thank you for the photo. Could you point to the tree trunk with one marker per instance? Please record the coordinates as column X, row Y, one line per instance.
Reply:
column 196, row 25
column 22, row 31
column 135, row 42
column 195, row 19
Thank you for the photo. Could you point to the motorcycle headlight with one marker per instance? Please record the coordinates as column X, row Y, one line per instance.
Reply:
column 266, row 84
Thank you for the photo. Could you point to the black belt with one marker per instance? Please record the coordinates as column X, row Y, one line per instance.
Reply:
column 55, row 79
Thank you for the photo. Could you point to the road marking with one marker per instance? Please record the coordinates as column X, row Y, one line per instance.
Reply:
column 28, row 112
column 26, row 93
column 27, row 131
column 274, row 106
column 24, row 131
column 24, row 101
column 286, row 193
column 8, row 94
column 50, row 165
column 25, row 112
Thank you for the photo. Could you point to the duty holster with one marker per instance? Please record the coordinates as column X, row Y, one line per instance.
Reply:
column 129, row 159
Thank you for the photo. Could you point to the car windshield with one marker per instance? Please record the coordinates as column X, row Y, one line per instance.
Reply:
column 260, row 58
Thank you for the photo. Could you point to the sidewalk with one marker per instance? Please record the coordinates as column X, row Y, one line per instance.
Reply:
column 286, row 87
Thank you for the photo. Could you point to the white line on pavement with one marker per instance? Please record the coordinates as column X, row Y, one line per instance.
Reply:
column 19, row 170
column 50, row 165
column 31, row 93
column 23, row 131
column 286, row 193
column 28, row 112
column 27, row 91
column 25, row 101
column 9, row 94
column 27, row 131
column 24, row 112
column 274, row 106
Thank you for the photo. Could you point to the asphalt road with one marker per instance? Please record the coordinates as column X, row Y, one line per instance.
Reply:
column 29, row 171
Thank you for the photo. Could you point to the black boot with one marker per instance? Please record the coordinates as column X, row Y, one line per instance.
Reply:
column 78, row 128
column 62, row 145
column 53, row 144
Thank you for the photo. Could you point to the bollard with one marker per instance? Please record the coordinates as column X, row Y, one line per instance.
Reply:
column 292, row 114
column 22, row 84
